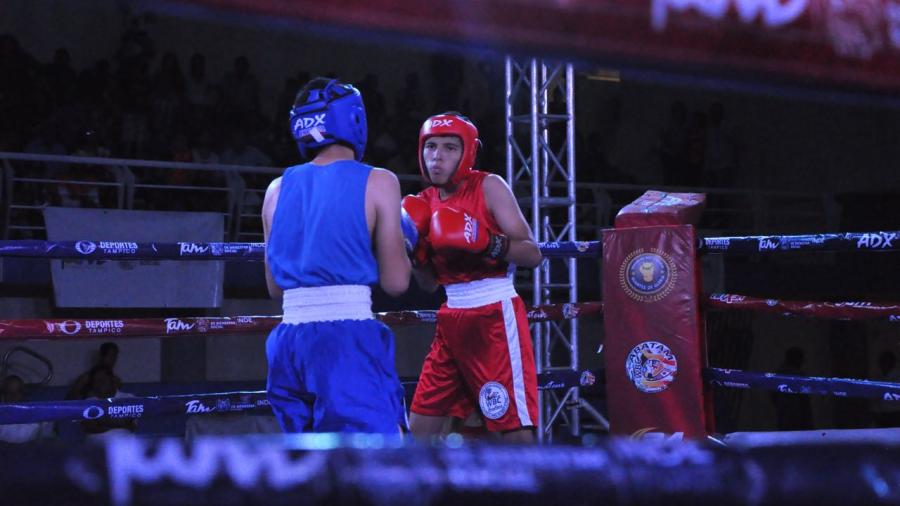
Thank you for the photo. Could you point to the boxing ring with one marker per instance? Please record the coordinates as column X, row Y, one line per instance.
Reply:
column 663, row 446
column 658, row 392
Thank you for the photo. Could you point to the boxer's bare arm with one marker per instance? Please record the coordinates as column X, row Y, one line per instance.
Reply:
column 268, row 211
column 383, row 216
column 523, row 250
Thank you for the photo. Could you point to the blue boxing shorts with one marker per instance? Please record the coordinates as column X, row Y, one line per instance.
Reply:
column 334, row 376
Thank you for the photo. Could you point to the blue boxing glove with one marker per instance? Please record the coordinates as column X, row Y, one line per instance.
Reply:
column 410, row 233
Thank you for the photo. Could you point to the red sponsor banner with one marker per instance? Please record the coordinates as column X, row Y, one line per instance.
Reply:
column 134, row 327
column 654, row 353
column 229, row 325
column 855, row 42
column 552, row 312
column 812, row 309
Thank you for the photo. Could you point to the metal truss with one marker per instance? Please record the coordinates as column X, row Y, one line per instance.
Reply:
column 540, row 167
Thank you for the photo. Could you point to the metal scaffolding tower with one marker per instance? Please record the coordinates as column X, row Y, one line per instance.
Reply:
column 540, row 167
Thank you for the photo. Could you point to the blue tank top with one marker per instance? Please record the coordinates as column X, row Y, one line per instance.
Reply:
column 319, row 234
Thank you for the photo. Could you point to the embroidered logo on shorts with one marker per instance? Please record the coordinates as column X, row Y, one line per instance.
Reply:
column 648, row 276
column 494, row 400
column 651, row 366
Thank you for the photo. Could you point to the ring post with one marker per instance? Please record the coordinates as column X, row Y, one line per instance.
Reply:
column 655, row 349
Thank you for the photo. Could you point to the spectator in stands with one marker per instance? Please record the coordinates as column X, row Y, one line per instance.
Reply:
column 47, row 141
column 79, row 191
column 447, row 74
column 606, row 155
column 179, row 150
column 383, row 145
column 13, row 390
column 197, row 87
column 95, row 85
column 696, row 149
column 108, row 355
column 241, row 151
column 672, row 146
column 134, row 101
column 721, row 163
column 167, row 90
column 103, row 384
column 411, row 99
column 91, row 145
column 17, row 90
column 285, row 102
column 240, row 89
column 203, row 150
column 375, row 104
column 10, row 141
column 61, row 77
column 136, row 44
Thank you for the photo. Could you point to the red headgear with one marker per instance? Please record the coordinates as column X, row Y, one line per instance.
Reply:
column 451, row 124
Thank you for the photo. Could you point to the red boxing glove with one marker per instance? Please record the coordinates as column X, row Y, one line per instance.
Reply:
column 419, row 212
column 457, row 230
column 418, row 209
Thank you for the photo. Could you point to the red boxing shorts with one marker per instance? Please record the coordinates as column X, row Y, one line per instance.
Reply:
column 481, row 355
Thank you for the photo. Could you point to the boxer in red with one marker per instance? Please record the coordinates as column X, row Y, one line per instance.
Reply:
column 471, row 236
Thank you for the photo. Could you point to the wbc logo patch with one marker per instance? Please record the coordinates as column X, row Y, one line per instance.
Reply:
column 493, row 400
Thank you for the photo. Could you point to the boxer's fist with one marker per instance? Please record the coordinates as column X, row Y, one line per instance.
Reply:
column 418, row 212
column 410, row 234
column 451, row 229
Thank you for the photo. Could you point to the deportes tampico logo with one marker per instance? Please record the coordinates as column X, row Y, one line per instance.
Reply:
column 651, row 366
column 647, row 276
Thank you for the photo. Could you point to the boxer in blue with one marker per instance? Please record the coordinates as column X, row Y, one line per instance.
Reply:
column 333, row 228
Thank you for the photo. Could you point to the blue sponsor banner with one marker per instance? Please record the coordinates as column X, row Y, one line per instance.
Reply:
column 849, row 241
column 238, row 251
column 199, row 404
column 571, row 249
column 838, row 387
column 131, row 407
column 125, row 250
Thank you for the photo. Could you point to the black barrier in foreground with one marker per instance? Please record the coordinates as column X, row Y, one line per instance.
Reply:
column 375, row 470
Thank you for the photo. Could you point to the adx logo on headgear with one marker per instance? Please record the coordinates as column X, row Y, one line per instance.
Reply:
column 309, row 122
column 312, row 126
column 441, row 123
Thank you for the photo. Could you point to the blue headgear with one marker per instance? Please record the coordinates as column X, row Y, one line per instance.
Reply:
column 330, row 115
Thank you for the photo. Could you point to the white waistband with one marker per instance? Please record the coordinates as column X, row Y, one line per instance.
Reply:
column 327, row 303
column 479, row 293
